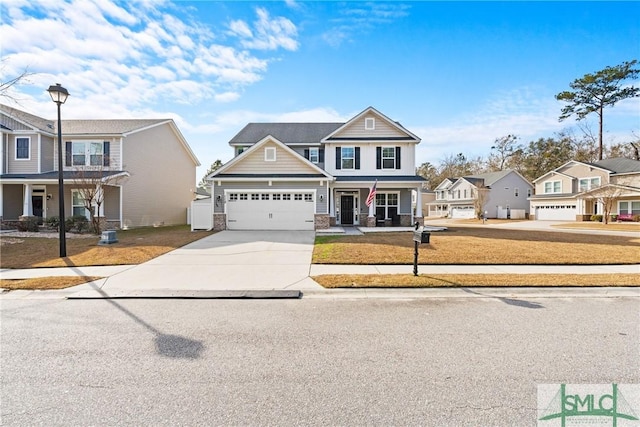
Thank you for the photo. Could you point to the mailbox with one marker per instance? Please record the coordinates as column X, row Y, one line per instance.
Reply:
column 421, row 236
column 108, row 238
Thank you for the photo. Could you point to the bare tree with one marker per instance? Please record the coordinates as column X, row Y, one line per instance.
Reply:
column 503, row 149
column 480, row 195
column 6, row 85
column 91, row 184
column 608, row 196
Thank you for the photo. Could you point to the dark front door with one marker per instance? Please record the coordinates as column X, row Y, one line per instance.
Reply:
column 346, row 209
column 38, row 206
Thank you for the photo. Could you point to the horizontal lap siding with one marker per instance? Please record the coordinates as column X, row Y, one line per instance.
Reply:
column 382, row 129
column 23, row 166
column 162, row 181
column 254, row 162
column 47, row 151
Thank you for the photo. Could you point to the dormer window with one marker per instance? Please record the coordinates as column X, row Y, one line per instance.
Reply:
column 369, row 123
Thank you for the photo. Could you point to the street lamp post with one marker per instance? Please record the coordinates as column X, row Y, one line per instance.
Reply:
column 59, row 96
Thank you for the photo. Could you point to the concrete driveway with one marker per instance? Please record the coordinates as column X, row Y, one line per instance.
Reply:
column 228, row 260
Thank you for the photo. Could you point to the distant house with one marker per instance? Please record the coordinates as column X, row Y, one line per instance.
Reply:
column 306, row 176
column 574, row 190
column 502, row 194
column 147, row 168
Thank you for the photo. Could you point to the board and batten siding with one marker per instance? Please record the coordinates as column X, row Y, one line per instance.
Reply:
column 368, row 159
column 163, row 178
column 255, row 162
column 276, row 186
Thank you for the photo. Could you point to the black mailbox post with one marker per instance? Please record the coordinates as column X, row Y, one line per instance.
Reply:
column 418, row 237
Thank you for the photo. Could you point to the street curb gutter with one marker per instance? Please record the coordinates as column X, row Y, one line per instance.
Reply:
column 191, row 294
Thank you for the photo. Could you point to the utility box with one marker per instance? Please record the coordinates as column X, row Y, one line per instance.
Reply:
column 421, row 236
column 108, row 238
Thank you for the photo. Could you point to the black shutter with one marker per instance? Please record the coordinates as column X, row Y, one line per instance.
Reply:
column 68, row 147
column 321, row 155
column 357, row 157
column 397, row 157
column 338, row 158
column 306, row 153
column 378, row 157
column 106, row 154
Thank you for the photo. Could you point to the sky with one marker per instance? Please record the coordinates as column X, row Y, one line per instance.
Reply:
column 456, row 74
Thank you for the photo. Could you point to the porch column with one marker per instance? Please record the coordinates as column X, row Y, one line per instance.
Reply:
column 27, row 207
column 419, row 202
column 1, row 200
column 332, row 202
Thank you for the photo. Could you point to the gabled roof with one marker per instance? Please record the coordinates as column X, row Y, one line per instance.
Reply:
column 29, row 120
column 107, row 127
column 398, row 126
column 287, row 133
column 269, row 138
column 619, row 165
column 486, row 179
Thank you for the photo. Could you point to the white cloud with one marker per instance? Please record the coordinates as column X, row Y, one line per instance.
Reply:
column 268, row 34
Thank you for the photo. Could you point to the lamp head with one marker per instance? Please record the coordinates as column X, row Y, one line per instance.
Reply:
column 58, row 94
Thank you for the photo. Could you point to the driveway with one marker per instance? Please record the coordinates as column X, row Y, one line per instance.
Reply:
column 228, row 260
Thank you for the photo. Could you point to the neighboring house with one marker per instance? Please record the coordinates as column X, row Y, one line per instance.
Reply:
column 305, row 176
column 502, row 194
column 145, row 167
column 574, row 190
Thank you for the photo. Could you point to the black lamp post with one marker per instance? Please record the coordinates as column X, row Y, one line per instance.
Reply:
column 59, row 96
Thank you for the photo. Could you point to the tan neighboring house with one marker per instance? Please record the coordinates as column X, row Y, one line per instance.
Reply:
column 575, row 190
column 146, row 168
column 501, row 194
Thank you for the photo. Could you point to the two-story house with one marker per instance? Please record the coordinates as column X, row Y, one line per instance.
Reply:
column 128, row 160
column 501, row 194
column 573, row 191
column 306, row 176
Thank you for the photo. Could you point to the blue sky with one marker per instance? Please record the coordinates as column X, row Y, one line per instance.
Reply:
column 457, row 74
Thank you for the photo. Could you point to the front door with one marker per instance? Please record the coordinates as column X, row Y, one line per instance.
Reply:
column 38, row 206
column 346, row 209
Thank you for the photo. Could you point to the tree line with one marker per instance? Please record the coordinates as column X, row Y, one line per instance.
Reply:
column 590, row 94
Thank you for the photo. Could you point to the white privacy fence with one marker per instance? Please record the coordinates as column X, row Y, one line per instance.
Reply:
column 201, row 214
column 504, row 213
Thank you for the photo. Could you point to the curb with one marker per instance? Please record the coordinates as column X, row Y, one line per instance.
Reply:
column 192, row 294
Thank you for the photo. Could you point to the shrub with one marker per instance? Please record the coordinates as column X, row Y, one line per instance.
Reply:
column 635, row 218
column 28, row 223
column 54, row 222
column 614, row 218
column 596, row 218
column 77, row 223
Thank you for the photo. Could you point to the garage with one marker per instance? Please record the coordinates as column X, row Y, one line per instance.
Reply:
column 463, row 212
column 260, row 210
column 556, row 213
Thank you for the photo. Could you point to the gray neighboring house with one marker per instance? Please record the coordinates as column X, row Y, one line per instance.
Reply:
column 505, row 195
column 129, row 158
column 306, row 176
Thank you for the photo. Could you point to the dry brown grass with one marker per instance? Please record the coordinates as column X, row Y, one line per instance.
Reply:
column 134, row 247
column 612, row 226
column 48, row 283
column 474, row 280
column 478, row 245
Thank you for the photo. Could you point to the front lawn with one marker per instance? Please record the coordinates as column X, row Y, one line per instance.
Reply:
column 478, row 245
column 134, row 247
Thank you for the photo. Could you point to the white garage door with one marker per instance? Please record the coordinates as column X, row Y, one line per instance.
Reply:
column 462, row 212
column 556, row 213
column 287, row 210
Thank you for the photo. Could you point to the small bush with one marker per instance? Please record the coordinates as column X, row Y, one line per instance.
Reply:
column 28, row 223
column 636, row 218
column 54, row 222
column 614, row 218
column 596, row 218
column 77, row 223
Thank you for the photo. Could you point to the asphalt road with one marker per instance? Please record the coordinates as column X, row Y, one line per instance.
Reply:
column 434, row 362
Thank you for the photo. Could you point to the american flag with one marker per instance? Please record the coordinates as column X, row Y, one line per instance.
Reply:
column 372, row 194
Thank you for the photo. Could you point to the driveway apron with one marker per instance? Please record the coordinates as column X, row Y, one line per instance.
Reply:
column 228, row 260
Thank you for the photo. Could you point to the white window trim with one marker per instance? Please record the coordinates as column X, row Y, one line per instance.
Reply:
column 28, row 138
column 589, row 179
column 387, row 157
column 369, row 123
column 270, row 154
column 552, row 187
column 85, row 210
column 314, row 152
column 342, row 158
column 87, row 153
